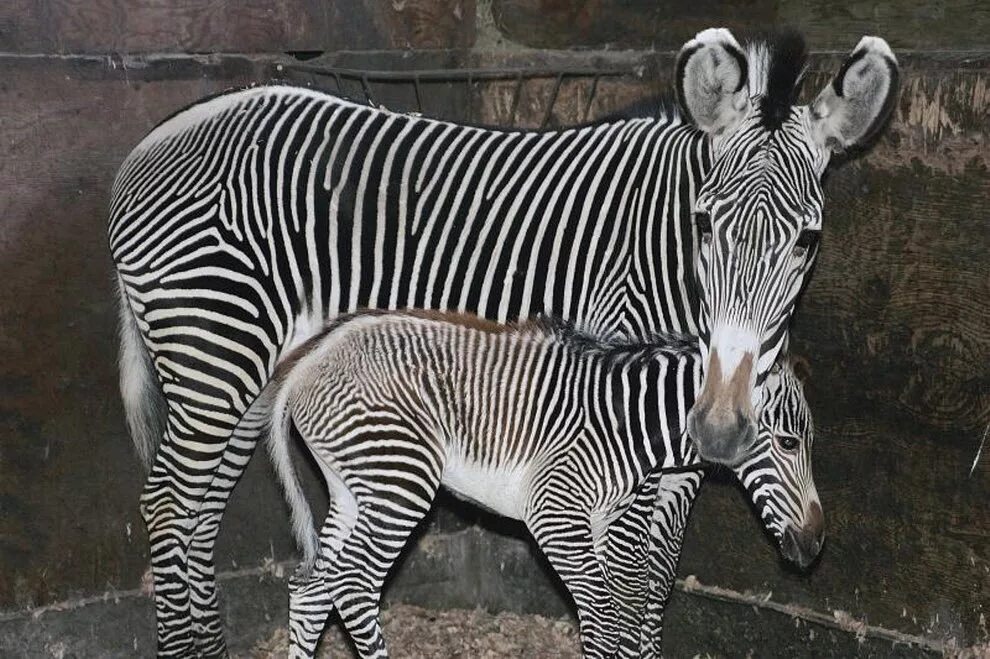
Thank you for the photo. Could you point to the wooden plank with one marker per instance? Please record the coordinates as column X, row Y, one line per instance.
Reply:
column 424, row 24
column 621, row 23
column 148, row 26
column 141, row 26
column 906, row 24
column 25, row 27
column 239, row 26
column 832, row 25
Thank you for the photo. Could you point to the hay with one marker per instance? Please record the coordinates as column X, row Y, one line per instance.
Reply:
column 416, row 633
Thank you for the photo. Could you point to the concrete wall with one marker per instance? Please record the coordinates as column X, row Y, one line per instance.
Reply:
column 894, row 326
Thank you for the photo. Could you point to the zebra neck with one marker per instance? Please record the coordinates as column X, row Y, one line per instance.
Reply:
column 661, row 291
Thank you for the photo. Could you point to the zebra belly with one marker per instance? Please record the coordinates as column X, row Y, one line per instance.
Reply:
column 501, row 490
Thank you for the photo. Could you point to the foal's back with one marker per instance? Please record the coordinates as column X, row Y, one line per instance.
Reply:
column 480, row 388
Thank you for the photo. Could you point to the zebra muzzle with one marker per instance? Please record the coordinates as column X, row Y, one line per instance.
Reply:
column 801, row 546
column 722, row 422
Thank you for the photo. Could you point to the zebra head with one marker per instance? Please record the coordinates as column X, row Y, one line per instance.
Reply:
column 758, row 210
column 777, row 473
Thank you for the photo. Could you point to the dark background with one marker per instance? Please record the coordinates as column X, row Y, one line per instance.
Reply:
column 895, row 326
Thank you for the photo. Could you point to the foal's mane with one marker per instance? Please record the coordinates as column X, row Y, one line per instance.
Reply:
column 614, row 345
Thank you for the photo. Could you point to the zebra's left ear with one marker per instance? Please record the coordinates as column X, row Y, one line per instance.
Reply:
column 856, row 104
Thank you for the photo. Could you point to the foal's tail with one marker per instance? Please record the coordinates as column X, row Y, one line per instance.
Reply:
column 276, row 398
column 144, row 401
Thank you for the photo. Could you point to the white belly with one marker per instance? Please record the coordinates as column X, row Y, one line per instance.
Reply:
column 503, row 491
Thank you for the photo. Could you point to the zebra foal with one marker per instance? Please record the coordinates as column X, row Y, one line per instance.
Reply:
column 537, row 422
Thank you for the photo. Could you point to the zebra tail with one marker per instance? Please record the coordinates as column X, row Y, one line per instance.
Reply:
column 144, row 401
column 279, row 436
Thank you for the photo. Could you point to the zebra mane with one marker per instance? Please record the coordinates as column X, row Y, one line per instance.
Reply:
column 776, row 73
column 610, row 345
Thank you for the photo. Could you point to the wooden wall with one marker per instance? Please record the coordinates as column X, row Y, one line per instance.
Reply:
column 895, row 326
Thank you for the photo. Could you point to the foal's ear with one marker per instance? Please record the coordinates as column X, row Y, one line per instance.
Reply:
column 800, row 366
column 711, row 79
column 856, row 104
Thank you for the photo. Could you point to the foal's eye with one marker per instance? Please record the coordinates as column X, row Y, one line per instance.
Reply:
column 787, row 443
column 704, row 222
column 805, row 241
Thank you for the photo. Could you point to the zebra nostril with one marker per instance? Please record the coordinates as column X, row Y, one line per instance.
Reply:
column 814, row 548
column 817, row 544
column 789, row 545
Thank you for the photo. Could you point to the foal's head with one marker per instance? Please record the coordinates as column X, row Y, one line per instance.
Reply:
column 777, row 474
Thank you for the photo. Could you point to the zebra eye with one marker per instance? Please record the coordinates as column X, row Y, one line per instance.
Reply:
column 805, row 241
column 787, row 443
column 704, row 222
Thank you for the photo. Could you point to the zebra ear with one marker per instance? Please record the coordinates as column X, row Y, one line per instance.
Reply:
column 711, row 78
column 801, row 368
column 856, row 104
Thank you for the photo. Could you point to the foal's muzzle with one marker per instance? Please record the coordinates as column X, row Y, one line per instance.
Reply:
column 802, row 546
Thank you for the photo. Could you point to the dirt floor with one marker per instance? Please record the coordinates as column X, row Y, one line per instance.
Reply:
column 416, row 633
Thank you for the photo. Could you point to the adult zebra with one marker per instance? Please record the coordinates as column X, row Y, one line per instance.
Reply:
column 239, row 225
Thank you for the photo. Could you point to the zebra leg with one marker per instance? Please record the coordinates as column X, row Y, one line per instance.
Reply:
column 381, row 503
column 204, row 602
column 566, row 538
column 310, row 603
column 310, row 599
column 183, row 520
column 625, row 555
column 675, row 496
column 170, row 516
column 386, row 520
column 204, row 596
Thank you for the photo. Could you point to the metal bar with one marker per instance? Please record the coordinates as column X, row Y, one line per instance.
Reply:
column 367, row 90
column 591, row 98
column 419, row 97
column 515, row 100
column 553, row 101
column 470, row 105
column 456, row 75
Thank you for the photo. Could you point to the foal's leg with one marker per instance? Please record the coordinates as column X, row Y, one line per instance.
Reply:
column 564, row 534
column 392, row 484
column 310, row 600
column 385, row 523
column 674, row 499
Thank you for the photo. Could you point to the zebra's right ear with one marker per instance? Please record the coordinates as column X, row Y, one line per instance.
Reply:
column 712, row 76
